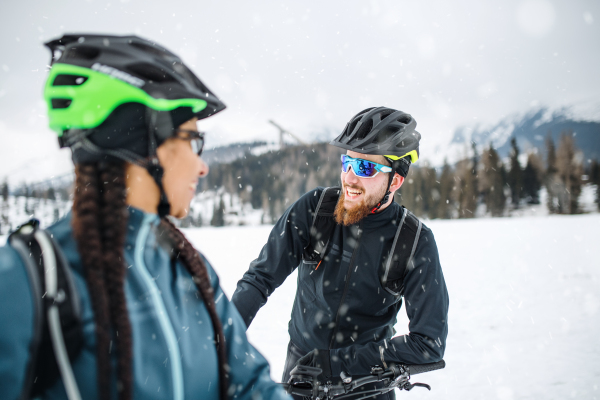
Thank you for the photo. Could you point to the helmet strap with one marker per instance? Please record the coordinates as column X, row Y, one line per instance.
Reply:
column 153, row 167
column 386, row 197
column 156, row 171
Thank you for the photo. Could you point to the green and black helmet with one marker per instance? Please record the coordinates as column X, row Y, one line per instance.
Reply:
column 120, row 97
column 92, row 75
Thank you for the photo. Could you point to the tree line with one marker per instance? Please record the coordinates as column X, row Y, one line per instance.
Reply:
column 24, row 201
column 479, row 184
column 483, row 184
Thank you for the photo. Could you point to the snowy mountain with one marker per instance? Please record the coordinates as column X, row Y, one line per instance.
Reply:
column 531, row 130
column 231, row 152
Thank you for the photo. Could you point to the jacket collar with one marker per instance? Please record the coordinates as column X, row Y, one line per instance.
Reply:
column 382, row 218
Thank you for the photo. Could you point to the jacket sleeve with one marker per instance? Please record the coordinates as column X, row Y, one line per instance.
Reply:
column 16, row 324
column 278, row 258
column 426, row 302
column 249, row 373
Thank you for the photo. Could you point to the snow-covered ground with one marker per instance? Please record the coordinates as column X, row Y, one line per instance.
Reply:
column 524, row 305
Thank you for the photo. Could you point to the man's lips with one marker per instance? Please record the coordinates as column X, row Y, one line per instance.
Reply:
column 352, row 193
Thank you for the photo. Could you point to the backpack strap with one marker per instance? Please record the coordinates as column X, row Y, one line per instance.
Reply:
column 322, row 226
column 400, row 260
column 57, row 337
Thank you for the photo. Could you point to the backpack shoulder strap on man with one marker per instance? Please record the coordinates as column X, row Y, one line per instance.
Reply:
column 400, row 260
column 57, row 337
column 322, row 226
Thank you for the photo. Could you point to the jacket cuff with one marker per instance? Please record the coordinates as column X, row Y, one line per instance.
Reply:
column 248, row 301
column 335, row 362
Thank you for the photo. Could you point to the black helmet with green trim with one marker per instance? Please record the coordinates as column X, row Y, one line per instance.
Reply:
column 120, row 97
column 382, row 131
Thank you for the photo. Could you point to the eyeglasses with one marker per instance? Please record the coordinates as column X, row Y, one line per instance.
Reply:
column 196, row 139
column 363, row 168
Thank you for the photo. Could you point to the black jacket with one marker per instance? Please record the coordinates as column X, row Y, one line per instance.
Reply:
column 341, row 305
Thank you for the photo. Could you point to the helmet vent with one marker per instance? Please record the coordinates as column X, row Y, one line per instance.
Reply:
column 386, row 114
column 61, row 103
column 385, row 134
column 405, row 119
column 181, row 69
column 81, row 53
column 364, row 129
column 150, row 72
column 150, row 49
column 69, row 80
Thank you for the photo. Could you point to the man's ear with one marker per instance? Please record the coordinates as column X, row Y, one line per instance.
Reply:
column 397, row 181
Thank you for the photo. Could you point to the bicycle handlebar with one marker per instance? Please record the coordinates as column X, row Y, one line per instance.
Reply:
column 304, row 381
column 421, row 368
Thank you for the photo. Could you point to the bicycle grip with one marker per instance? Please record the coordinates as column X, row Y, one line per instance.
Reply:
column 420, row 368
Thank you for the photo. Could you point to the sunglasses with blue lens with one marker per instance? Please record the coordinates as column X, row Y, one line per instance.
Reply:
column 363, row 168
column 196, row 139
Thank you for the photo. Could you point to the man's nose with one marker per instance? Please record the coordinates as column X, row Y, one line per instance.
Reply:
column 350, row 177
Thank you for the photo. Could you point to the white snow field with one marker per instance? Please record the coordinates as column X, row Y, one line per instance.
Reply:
column 524, row 305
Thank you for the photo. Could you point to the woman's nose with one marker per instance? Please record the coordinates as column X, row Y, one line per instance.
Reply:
column 203, row 171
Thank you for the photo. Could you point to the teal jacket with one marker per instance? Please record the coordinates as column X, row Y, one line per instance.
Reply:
column 174, row 356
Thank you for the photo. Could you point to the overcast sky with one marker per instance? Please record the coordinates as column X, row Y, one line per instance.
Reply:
column 311, row 65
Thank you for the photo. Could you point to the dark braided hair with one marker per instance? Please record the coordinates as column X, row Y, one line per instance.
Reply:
column 196, row 267
column 99, row 227
column 86, row 223
column 114, row 227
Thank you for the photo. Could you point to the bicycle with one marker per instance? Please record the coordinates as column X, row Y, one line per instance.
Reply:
column 304, row 382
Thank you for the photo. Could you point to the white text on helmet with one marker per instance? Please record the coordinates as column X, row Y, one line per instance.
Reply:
column 115, row 73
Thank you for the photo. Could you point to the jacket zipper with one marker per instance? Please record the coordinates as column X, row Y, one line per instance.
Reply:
column 337, row 315
column 160, row 310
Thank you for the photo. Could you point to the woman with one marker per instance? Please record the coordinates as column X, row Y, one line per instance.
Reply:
column 155, row 322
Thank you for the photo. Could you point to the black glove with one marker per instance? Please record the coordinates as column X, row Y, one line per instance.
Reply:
column 319, row 359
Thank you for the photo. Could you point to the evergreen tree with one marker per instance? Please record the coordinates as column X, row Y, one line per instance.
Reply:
column 198, row 222
column 27, row 195
column 532, row 179
column 426, row 181
column 569, row 162
column 466, row 188
column 51, row 193
column 492, row 182
column 410, row 193
column 595, row 179
column 595, row 172
column 218, row 218
column 551, row 179
column 515, row 175
column 4, row 210
column 446, row 184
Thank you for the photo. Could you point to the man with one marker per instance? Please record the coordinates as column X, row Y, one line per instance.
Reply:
column 350, row 277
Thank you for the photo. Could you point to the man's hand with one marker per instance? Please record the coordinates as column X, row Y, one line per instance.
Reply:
column 319, row 359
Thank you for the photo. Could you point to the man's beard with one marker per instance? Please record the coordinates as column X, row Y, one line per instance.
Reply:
column 360, row 211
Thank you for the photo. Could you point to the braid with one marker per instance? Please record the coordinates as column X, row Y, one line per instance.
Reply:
column 114, row 227
column 99, row 228
column 86, row 230
column 196, row 267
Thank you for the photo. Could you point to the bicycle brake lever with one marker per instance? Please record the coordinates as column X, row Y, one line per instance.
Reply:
column 409, row 386
column 345, row 377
